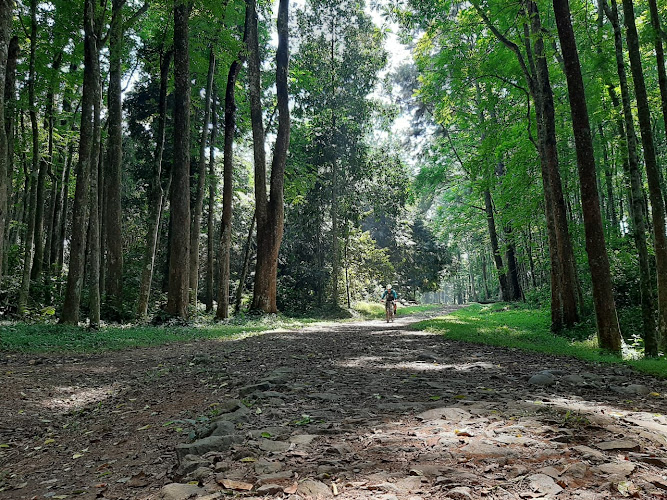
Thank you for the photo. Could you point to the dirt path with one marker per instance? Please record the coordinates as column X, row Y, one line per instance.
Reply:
column 360, row 410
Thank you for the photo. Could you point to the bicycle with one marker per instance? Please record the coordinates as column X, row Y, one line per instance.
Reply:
column 389, row 310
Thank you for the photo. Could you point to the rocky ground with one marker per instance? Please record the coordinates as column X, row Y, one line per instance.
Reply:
column 356, row 410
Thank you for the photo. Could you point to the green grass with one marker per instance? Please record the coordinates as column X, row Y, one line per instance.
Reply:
column 527, row 329
column 39, row 338
column 375, row 310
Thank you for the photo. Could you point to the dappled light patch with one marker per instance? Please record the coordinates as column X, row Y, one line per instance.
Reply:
column 70, row 398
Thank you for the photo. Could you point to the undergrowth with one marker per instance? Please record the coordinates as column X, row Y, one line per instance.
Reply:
column 521, row 327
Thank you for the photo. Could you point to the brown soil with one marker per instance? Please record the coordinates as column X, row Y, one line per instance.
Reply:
column 107, row 425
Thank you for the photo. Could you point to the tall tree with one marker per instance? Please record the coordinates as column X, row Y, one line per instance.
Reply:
column 609, row 334
column 652, row 170
column 6, row 11
column 228, row 191
column 270, row 210
column 156, row 200
column 179, row 256
column 81, row 208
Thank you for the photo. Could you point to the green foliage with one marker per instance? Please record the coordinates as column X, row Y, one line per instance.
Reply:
column 518, row 327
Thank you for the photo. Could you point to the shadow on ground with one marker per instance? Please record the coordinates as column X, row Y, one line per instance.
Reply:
column 356, row 410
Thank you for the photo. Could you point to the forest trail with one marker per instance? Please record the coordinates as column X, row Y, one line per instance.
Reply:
column 353, row 410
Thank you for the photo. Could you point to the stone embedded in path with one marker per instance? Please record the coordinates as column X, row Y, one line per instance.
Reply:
column 460, row 493
column 617, row 468
column 588, row 452
column 544, row 484
column 263, row 466
column 574, row 379
column 303, row 439
column 241, row 414
column 619, row 444
column 276, row 477
column 203, row 446
column 638, row 389
column 482, row 450
column 177, row 491
column 269, row 489
column 314, row 489
column 273, row 446
column 450, row 414
column 542, row 379
column 249, row 389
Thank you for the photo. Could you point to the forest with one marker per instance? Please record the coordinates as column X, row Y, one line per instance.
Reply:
column 203, row 204
column 163, row 161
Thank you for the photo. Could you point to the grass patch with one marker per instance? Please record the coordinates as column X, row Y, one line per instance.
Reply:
column 40, row 338
column 528, row 329
column 375, row 310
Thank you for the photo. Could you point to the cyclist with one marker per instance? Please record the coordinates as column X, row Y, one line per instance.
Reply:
column 389, row 296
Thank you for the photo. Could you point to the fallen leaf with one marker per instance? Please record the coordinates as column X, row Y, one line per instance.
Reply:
column 77, row 455
column 144, row 427
column 231, row 484
column 49, row 441
column 248, row 459
column 4, row 446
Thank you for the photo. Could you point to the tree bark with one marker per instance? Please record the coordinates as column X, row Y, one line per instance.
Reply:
column 660, row 58
column 269, row 208
column 565, row 270
column 609, row 335
column 212, row 193
column 8, row 56
column 37, row 170
column 179, row 256
column 652, row 173
column 81, row 208
column 493, row 236
column 114, row 162
column 228, row 191
column 246, row 266
column 195, row 230
column 157, row 193
column 628, row 134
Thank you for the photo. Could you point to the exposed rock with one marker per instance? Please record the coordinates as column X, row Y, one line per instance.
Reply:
column 303, row 439
column 241, row 414
column 619, row 444
column 450, row 414
column 476, row 449
column 273, row 446
column 314, row 489
column 263, row 466
column 276, row 477
column 544, row 484
column 202, row 446
column 249, row 389
column 640, row 390
column 574, row 379
column 269, row 489
column 460, row 492
column 617, row 468
column 177, row 491
column 542, row 379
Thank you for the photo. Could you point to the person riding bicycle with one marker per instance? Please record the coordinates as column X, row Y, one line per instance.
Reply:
column 390, row 296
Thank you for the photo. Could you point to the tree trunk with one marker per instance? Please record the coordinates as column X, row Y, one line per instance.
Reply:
column 565, row 270
column 626, row 129
column 228, row 191
column 80, row 216
column 246, row 266
column 60, row 255
column 212, row 193
column 195, row 230
column 652, row 172
column 95, row 247
column 493, row 236
column 660, row 59
column 8, row 56
column 114, row 162
column 157, row 194
column 609, row 335
column 179, row 256
column 269, row 210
